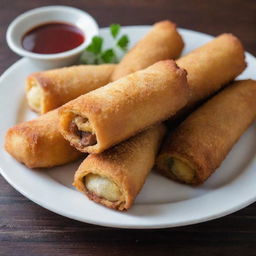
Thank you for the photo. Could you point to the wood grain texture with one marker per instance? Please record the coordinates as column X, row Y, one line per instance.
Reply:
column 27, row 229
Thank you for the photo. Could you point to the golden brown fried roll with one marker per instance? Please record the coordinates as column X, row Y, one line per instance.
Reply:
column 199, row 145
column 212, row 66
column 162, row 42
column 38, row 143
column 106, row 116
column 114, row 177
column 50, row 89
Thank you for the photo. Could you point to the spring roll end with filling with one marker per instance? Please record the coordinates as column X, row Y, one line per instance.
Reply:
column 34, row 94
column 77, row 129
column 40, row 96
column 178, row 168
column 183, row 161
column 99, row 187
column 114, row 177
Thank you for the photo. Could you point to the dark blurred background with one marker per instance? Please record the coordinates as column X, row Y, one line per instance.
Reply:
column 28, row 229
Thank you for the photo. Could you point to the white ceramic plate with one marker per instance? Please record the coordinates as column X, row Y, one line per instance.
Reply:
column 161, row 203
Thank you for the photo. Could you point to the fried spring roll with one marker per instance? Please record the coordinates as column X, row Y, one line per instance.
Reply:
column 114, row 177
column 162, row 42
column 38, row 143
column 50, row 89
column 199, row 145
column 212, row 66
column 106, row 116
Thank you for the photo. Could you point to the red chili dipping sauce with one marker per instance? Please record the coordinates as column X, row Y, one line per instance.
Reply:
column 52, row 38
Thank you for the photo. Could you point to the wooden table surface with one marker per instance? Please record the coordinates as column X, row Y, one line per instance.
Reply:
column 28, row 229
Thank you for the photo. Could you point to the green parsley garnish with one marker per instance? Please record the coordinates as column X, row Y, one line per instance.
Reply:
column 94, row 53
column 114, row 30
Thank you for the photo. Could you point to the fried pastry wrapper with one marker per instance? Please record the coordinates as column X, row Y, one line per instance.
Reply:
column 212, row 66
column 50, row 89
column 199, row 145
column 104, row 117
column 38, row 143
column 115, row 177
column 162, row 42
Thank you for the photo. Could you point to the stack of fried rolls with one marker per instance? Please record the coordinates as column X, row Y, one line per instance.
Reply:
column 199, row 145
column 127, row 109
column 101, row 184
column 162, row 42
column 50, row 89
column 106, row 116
column 114, row 177
column 38, row 143
column 47, row 90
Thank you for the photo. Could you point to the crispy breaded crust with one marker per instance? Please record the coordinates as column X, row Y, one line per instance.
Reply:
column 208, row 134
column 212, row 66
column 162, row 42
column 127, row 165
column 64, row 84
column 38, row 143
column 123, row 108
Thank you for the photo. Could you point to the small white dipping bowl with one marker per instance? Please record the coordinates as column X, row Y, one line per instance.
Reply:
column 33, row 18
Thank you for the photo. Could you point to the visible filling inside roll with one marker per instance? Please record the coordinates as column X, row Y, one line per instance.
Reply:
column 81, row 127
column 181, row 170
column 34, row 96
column 102, row 187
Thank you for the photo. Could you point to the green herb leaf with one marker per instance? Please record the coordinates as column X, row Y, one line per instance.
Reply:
column 115, row 29
column 94, row 53
column 108, row 56
column 123, row 42
column 96, row 45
